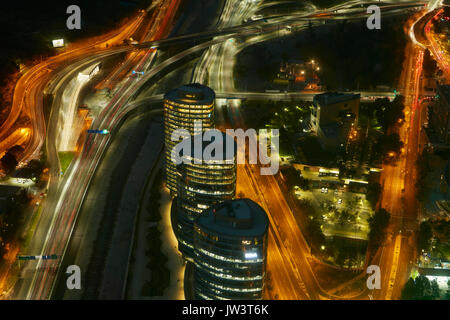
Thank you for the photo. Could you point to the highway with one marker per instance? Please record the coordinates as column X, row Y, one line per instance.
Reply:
column 40, row 74
column 28, row 103
column 30, row 88
column 64, row 202
column 399, row 191
column 440, row 54
column 65, row 205
column 219, row 75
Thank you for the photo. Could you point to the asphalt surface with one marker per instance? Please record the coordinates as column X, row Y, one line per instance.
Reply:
column 100, row 221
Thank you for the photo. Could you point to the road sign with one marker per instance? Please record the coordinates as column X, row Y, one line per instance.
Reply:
column 26, row 257
column 47, row 257
column 104, row 131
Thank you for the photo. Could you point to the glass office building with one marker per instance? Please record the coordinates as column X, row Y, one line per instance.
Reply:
column 230, row 251
column 202, row 182
column 183, row 106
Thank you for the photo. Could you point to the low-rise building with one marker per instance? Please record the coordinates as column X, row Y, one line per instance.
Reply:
column 333, row 116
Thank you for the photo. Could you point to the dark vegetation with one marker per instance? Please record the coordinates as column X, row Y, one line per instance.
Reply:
column 346, row 252
column 351, row 56
column 11, row 216
column 287, row 116
column 423, row 167
column 355, row 57
column 33, row 169
column 378, row 224
column 421, row 288
column 425, row 235
column 429, row 64
column 155, row 196
column 382, row 118
column 373, row 193
column 160, row 274
column 433, row 238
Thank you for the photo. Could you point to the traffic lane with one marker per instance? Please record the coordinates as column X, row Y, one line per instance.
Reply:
column 289, row 231
column 281, row 273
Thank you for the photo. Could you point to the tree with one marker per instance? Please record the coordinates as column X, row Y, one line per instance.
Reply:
column 293, row 177
column 391, row 143
column 435, row 292
column 420, row 288
column 394, row 112
column 447, row 294
column 429, row 64
column 409, row 290
column 303, row 183
column 16, row 150
column 315, row 232
column 344, row 217
column 9, row 162
column 378, row 224
column 425, row 235
column 388, row 113
column 373, row 193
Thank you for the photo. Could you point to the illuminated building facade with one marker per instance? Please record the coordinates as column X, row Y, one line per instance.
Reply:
column 203, row 184
column 230, row 251
column 333, row 116
column 183, row 106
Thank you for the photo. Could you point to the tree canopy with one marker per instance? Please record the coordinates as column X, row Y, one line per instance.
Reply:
column 420, row 288
column 378, row 224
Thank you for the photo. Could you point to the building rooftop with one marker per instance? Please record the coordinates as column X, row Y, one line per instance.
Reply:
column 329, row 98
column 238, row 218
column 193, row 93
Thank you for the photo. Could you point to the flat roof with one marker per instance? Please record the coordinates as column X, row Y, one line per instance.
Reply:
column 193, row 93
column 328, row 98
column 239, row 218
column 435, row 272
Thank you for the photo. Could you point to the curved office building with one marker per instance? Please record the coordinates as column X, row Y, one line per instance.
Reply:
column 230, row 251
column 202, row 182
column 183, row 106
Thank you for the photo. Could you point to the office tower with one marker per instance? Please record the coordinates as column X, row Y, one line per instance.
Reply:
column 230, row 251
column 183, row 106
column 202, row 182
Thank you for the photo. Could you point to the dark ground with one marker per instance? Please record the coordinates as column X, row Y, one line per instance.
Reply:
column 351, row 57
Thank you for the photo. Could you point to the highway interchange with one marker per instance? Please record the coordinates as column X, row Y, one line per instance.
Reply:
column 66, row 193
